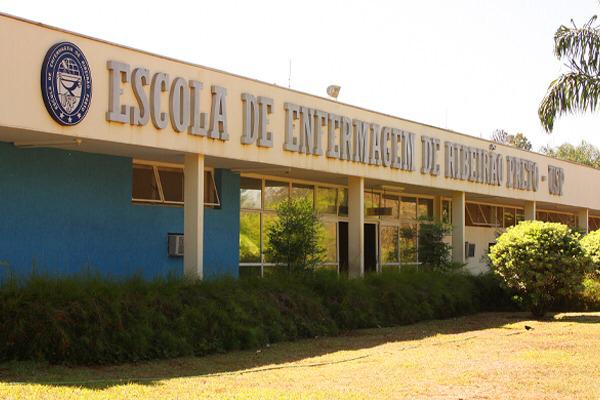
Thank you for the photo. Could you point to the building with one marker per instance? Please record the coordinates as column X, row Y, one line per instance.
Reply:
column 109, row 154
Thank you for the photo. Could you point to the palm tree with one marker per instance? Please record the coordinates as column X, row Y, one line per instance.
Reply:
column 577, row 90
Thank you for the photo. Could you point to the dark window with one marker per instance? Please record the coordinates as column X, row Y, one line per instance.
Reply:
column 144, row 183
column 171, row 181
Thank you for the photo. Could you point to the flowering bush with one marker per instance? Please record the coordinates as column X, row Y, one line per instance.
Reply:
column 541, row 261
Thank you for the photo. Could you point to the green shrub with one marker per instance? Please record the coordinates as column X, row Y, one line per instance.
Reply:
column 89, row 320
column 294, row 238
column 591, row 245
column 434, row 253
column 542, row 261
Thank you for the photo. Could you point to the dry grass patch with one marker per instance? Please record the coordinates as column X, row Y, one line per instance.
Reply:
column 482, row 356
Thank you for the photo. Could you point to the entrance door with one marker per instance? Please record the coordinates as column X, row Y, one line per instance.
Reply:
column 370, row 248
column 343, row 246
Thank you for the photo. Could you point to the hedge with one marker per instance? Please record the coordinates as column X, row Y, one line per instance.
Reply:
column 90, row 320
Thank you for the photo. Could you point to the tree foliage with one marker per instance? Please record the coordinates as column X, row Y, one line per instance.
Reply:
column 584, row 153
column 591, row 245
column 542, row 261
column 294, row 239
column 434, row 253
column 577, row 90
column 518, row 140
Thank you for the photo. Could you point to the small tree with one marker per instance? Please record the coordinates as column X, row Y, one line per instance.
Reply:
column 542, row 261
column 591, row 246
column 434, row 253
column 294, row 239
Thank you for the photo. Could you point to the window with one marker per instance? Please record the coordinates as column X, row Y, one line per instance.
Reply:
column 408, row 208
column 509, row 217
column 343, row 202
column 330, row 241
column 326, row 200
column 259, row 198
column 171, row 182
column 425, row 208
column 250, row 237
column 372, row 204
column 390, row 245
column 144, row 183
column 250, row 193
column 211, row 197
column 391, row 204
column 480, row 215
column 300, row 191
column 164, row 185
column 408, row 243
column 275, row 193
column 560, row 217
column 268, row 220
column 447, row 211
column 486, row 215
column 593, row 223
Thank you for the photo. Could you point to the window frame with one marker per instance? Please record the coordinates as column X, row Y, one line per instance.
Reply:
column 171, row 166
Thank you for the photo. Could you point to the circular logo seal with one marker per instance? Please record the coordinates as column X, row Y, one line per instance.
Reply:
column 66, row 83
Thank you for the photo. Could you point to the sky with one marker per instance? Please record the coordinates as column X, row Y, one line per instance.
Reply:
column 470, row 66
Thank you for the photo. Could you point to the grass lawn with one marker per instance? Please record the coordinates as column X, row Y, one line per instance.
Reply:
column 478, row 357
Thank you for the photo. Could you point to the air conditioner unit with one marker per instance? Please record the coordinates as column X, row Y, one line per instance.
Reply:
column 175, row 244
column 469, row 250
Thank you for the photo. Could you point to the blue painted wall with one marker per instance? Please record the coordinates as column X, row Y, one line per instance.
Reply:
column 68, row 211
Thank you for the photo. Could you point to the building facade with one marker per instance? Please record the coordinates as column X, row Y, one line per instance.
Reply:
column 126, row 162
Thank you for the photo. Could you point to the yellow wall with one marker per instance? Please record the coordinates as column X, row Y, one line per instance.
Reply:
column 23, row 46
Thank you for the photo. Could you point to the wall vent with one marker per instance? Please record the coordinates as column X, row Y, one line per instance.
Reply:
column 175, row 244
column 469, row 250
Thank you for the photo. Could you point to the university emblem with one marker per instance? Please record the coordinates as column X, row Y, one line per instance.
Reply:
column 66, row 83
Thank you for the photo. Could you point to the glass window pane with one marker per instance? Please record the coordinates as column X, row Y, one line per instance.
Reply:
column 446, row 211
column 326, row 200
column 408, row 243
column 144, row 185
column 343, row 203
column 249, row 237
column 330, row 240
column 249, row 271
column 250, row 193
column 509, row 217
column 570, row 220
column 275, row 193
column 171, row 180
column 372, row 204
column 519, row 215
column 327, row 267
column 389, row 244
column 391, row 204
column 408, row 208
column 500, row 216
column 480, row 215
column 426, row 208
column 211, row 197
column 271, row 269
column 268, row 220
column 300, row 191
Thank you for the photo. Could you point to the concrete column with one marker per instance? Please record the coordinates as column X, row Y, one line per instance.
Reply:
column 356, row 226
column 437, row 208
column 458, row 227
column 530, row 210
column 583, row 220
column 193, row 216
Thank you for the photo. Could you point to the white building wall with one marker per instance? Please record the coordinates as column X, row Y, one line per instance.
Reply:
column 482, row 237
